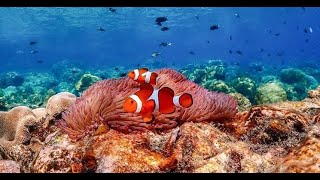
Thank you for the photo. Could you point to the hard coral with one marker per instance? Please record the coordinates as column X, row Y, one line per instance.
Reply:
column 59, row 102
column 14, row 126
column 103, row 102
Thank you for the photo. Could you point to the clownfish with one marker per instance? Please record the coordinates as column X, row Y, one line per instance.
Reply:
column 149, row 99
column 143, row 75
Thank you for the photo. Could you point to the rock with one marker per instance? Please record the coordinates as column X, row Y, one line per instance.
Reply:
column 9, row 166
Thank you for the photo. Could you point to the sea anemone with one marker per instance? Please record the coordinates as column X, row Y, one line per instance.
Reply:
column 103, row 103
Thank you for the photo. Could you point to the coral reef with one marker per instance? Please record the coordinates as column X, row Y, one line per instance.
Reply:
column 282, row 137
column 15, row 125
column 245, row 86
column 297, row 83
column 243, row 102
column 67, row 71
column 85, row 81
column 218, row 85
column 270, row 93
column 10, row 79
column 102, row 102
column 59, row 102
column 92, row 133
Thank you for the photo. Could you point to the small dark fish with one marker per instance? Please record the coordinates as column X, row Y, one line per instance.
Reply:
column 160, row 20
column 164, row 29
column 261, row 49
column 112, row 10
column 208, row 42
column 40, row 61
column 306, row 40
column 230, row 38
column 117, row 69
column 165, row 44
column 277, row 34
column 269, row 54
column 123, row 74
column 34, row 52
column 230, row 51
column 155, row 54
column 100, row 29
column 74, row 71
column 297, row 27
column 32, row 43
column 305, row 30
column 284, row 22
column 197, row 16
column 191, row 52
column 236, row 63
column 280, row 53
column 214, row 27
column 239, row 52
column 237, row 15
column 138, row 65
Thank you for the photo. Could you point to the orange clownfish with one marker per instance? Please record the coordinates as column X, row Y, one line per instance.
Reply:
column 143, row 75
column 149, row 99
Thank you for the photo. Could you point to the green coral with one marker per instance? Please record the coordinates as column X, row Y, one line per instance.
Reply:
column 245, row 86
column 270, row 93
column 297, row 83
column 244, row 103
column 291, row 76
column 213, row 69
column 217, row 85
column 85, row 81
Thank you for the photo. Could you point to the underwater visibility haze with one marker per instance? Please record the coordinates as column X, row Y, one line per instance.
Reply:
column 66, row 68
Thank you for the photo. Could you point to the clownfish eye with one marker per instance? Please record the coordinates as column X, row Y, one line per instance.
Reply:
column 131, row 102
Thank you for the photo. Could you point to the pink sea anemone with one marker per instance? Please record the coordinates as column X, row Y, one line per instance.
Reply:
column 103, row 103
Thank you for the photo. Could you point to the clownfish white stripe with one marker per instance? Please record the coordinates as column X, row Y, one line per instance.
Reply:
column 138, row 101
column 154, row 96
column 157, row 79
column 176, row 101
column 136, row 74
column 147, row 75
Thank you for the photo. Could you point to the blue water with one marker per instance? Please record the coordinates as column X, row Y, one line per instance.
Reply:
column 131, row 36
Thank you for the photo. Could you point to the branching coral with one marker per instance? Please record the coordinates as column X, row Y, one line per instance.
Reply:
column 103, row 102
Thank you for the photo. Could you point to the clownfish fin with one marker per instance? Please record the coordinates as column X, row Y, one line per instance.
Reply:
column 147, row 117
column 150, row 105
column 185, row 100
column 165, row 96
column 145, row 91
column 143, row 70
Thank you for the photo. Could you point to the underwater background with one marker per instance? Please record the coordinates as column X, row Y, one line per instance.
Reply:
column 258, row 55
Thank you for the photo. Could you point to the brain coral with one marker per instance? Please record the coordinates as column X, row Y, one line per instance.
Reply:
column 14, row 126
column 103, row 102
